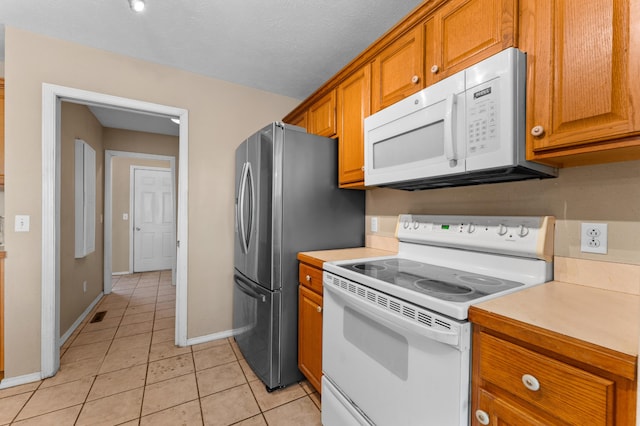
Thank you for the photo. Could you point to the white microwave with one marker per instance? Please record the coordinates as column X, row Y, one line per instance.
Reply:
column 466, row 129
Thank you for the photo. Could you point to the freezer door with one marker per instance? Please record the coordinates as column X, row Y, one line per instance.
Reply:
column 256, row 328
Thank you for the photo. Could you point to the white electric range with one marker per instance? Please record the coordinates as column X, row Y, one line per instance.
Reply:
column 396, row 340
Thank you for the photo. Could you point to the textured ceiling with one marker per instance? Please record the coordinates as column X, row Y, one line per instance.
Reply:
column 289, row 47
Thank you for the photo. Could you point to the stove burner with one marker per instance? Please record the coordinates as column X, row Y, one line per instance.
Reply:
column 443, row 287
column 403, row 263
column 369, row 267
column 480, row 280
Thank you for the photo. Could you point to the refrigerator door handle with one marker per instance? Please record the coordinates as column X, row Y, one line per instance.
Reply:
column 252, row 206
column 243, row 287
column 240, row 209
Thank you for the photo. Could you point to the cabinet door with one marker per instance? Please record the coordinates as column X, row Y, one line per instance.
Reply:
column 500, row 412
column 322, row 116
column 299, row 120
column 354, row 104
column 463, row 32
column 583, row 59
column 398, row 71
column 310, row 336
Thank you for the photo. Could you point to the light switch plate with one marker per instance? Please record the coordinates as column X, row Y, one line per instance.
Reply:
column 22, row 223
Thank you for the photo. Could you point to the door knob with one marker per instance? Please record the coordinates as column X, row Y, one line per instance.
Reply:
column 435, row 69
column 319, row 309
column 137, row 228
column 415, row 79
column 537, row 131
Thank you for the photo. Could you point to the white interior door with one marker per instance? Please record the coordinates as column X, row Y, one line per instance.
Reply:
column 154, row 241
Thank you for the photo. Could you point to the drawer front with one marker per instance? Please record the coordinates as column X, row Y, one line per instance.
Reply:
column 311, row 277
column 571, row 394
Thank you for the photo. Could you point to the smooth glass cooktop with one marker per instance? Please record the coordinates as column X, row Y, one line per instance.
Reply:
column 436, row 281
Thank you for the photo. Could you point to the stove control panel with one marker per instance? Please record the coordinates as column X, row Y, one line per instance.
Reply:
column 524, row 236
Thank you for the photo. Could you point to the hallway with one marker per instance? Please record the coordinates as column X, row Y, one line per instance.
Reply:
column 126, row 370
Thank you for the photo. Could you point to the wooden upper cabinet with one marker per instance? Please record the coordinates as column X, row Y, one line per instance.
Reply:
column 321, row 117
column 583, row 60
column 398, row 71
column 298, row 120
column 354, row 104
column 463, row 32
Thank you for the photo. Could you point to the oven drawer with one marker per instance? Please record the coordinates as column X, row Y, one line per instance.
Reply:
column 574, row 395
column 310, row 277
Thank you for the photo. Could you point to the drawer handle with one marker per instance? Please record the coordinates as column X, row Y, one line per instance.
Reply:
column 482, row 417
column 319, row 309
column 308, row 277
column 530, row 382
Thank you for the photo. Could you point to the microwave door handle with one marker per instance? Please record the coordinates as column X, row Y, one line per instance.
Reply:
column 449, row 130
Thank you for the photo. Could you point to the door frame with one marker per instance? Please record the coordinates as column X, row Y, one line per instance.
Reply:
column 52, row 97
column 132, row 209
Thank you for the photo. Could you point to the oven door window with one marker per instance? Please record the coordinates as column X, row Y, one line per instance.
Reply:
column 385, row 346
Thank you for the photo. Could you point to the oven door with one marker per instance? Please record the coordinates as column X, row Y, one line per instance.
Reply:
column 395, row 371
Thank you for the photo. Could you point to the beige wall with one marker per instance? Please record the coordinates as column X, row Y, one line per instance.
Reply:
column 604, row 193
column 121, row 173
column 138, row 142
column 77, row 122
column 221, row 114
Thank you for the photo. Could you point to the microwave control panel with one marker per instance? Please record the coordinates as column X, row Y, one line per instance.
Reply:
column 482, row 119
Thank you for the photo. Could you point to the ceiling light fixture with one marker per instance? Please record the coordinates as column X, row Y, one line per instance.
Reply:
column 137, row 5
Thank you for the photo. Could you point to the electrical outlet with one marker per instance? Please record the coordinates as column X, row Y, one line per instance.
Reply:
column 84, row 286
column 374, row 224
column 593, row 238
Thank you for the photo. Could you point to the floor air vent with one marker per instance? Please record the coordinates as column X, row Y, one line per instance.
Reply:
column 99, row 316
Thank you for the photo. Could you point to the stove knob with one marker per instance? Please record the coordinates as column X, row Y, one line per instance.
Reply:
column 523, row 231
column 502, row 229
column 416, row 225
column 471, row 229
column 405, row 224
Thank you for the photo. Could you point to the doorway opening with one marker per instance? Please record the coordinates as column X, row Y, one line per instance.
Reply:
column 53, row 96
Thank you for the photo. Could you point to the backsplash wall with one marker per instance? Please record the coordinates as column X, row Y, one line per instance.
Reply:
column 608, row 193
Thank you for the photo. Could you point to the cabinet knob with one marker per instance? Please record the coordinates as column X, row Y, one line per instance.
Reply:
column 415, row 79
column 319, row 309
column 434, row 69
column 482, row 417
column 362, row 168
column 537, row 131
column 530, row 382
column 308, row 278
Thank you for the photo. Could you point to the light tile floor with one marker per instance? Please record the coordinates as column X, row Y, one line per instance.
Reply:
column 126, row 370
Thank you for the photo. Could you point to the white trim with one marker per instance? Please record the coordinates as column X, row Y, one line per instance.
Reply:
column 52, row 95
column 121, row 273
column 210, row 337
column 82, row 316
column 20, row 380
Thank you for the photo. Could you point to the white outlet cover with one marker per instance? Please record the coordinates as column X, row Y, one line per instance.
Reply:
column 22, row 223
column 593, row 238
column 374, row 224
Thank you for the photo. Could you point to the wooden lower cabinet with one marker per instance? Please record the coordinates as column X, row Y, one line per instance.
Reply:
column 310, row 324
column 523, row 382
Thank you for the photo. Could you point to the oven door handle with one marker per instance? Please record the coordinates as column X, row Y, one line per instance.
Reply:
column 399, row 323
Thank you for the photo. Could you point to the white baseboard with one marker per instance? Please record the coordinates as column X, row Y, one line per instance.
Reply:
column 210, row 337
column 121, row 273
column 9, row 382
column 75, row 325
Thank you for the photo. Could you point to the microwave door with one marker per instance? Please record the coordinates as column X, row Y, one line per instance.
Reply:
column 419, row 137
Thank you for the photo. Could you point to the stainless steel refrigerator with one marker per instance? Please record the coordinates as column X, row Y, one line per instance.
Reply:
column 287, row 200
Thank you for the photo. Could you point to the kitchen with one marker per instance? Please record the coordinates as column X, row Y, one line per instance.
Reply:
column 599, row 193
